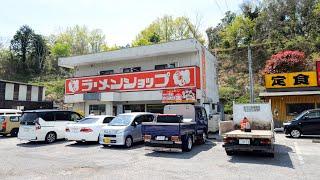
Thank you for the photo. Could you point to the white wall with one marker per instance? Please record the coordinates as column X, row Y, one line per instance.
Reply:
column 185, row 59
column 34, row 93
column 9, row 91
column 22, row 92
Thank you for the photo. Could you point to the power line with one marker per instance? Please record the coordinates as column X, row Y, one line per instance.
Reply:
column 218, row 6
column 225, row 1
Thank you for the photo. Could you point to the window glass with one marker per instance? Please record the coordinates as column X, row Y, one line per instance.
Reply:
column 294, row 109
column 149, row 118
column 126, row 70
column 14, row 118
column 107, row 72
column 75, row 117
column 107, row 120
column 47, row 116
column 1, row 118
column 88, row 121
column 29, row 117
column 121, row 120
column 97, row 109
column 136, row 69
column 169, row 118
column 164, row 66
column 314, row 115
column 139, row 119
column 63, row 116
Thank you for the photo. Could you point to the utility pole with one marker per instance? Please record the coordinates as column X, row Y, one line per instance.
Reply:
column 250, row 75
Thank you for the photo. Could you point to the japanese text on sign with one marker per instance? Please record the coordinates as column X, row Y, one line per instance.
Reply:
column 290, row 80
column 150, row 80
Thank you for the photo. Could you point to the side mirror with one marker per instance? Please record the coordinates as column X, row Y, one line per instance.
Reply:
column 134, row 124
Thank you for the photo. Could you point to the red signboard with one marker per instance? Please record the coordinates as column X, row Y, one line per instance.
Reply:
column 318, row 72
column 179, row 95
column 186, row 77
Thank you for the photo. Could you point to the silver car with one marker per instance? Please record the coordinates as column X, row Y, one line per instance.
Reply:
column 125, row 129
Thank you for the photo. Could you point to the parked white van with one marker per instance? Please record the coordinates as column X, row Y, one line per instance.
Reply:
column 45, row 125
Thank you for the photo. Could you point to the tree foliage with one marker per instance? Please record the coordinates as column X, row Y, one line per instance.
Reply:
column 285, row 62
column 166, row 29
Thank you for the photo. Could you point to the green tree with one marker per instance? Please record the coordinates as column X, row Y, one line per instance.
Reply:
column 166, row 29
column 39, row 53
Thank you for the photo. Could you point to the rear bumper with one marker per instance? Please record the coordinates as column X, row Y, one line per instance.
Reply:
column 249, row 148
column 81, row 137
column 163, row 146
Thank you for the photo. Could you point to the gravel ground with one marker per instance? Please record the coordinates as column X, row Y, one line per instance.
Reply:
column 294, row 159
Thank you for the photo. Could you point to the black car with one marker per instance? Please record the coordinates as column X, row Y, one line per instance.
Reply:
column 306, row 123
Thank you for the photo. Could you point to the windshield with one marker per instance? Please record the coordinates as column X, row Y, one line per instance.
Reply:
column 121, row 120
column 299, row 115
column 88, row 121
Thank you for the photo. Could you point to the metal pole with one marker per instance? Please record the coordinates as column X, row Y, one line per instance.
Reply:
column 250, row 75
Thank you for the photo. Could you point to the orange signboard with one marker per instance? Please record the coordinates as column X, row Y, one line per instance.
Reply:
column 185, row 77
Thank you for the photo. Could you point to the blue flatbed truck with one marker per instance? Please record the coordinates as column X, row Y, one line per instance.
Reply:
column 178, row 129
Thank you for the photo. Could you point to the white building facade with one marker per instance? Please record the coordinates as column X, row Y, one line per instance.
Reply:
column 142, row 78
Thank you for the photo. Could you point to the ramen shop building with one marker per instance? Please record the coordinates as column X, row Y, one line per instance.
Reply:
column 142, row 78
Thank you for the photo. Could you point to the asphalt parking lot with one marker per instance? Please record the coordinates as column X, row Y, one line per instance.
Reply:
column 294, row 159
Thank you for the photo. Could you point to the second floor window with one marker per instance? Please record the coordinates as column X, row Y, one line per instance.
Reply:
column 133, row 69
column 164, row 66
column 107, row 72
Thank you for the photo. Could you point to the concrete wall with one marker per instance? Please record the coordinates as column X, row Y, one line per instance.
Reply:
column 22, row 92
column 34, row 93
column 185, row 59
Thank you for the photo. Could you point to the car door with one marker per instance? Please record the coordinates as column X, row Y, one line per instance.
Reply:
column 310, row 123
column 136, row 130
column 62, row 118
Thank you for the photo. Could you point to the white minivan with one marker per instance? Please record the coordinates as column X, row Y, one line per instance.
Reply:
column 45, row 125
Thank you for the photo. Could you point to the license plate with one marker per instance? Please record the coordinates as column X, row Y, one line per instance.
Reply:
column 160, row 138
column 244, row 141
column 106, row 140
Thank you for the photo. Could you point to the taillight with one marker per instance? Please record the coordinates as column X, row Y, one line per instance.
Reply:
column 147, row 138
column 67, row 130
column 38, row 126
column 229, row 140
column 265, row 141
column 175, row 138
column 4, row 125
column 86, row 130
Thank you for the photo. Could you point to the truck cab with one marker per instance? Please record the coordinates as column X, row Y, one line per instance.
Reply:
column 177, row 129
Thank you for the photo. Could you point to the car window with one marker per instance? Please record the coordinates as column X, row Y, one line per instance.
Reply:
column 14, row 118
column 47, row 116
column 204, row 114
column 198, row 113
column 2, row 118
column 139, row 119
column 63, row 116
column 314, row 115
column 29, row 118
column 75, row 116
column 107, row 120
column 148, row 118
column 88, row 121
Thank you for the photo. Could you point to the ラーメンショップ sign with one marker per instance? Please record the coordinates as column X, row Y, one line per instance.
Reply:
column 187, row 77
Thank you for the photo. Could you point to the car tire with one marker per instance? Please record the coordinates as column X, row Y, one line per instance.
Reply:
column 51, row 137
column 295, row 133
column 14, row 132
column 230, row 153
column 187, row 144
column 128, row 142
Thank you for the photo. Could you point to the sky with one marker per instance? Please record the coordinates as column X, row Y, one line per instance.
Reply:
column 120, row 20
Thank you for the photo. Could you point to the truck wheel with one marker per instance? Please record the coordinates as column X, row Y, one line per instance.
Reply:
column 230, row 153
column 51, row 137
column 14, row 132
column 295, row 133
column 187, row 145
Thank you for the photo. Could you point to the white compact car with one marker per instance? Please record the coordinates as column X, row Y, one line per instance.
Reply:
column 87, row 129
column 45, row 125
column 125, row 129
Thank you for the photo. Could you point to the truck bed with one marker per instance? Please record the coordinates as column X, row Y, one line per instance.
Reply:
column 267, row 134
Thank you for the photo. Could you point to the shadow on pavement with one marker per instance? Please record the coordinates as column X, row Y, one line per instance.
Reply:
column 40, row 144
column 83, row 144
column 6, row 137
column 183, row 155
column 136, row 145
column 281, row 157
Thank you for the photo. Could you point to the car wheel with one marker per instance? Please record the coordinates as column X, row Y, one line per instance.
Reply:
column 295, row 133
column 187, row 145
column 14, row 132
column 128, row 142
column 51, row 137
column 230, row 153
